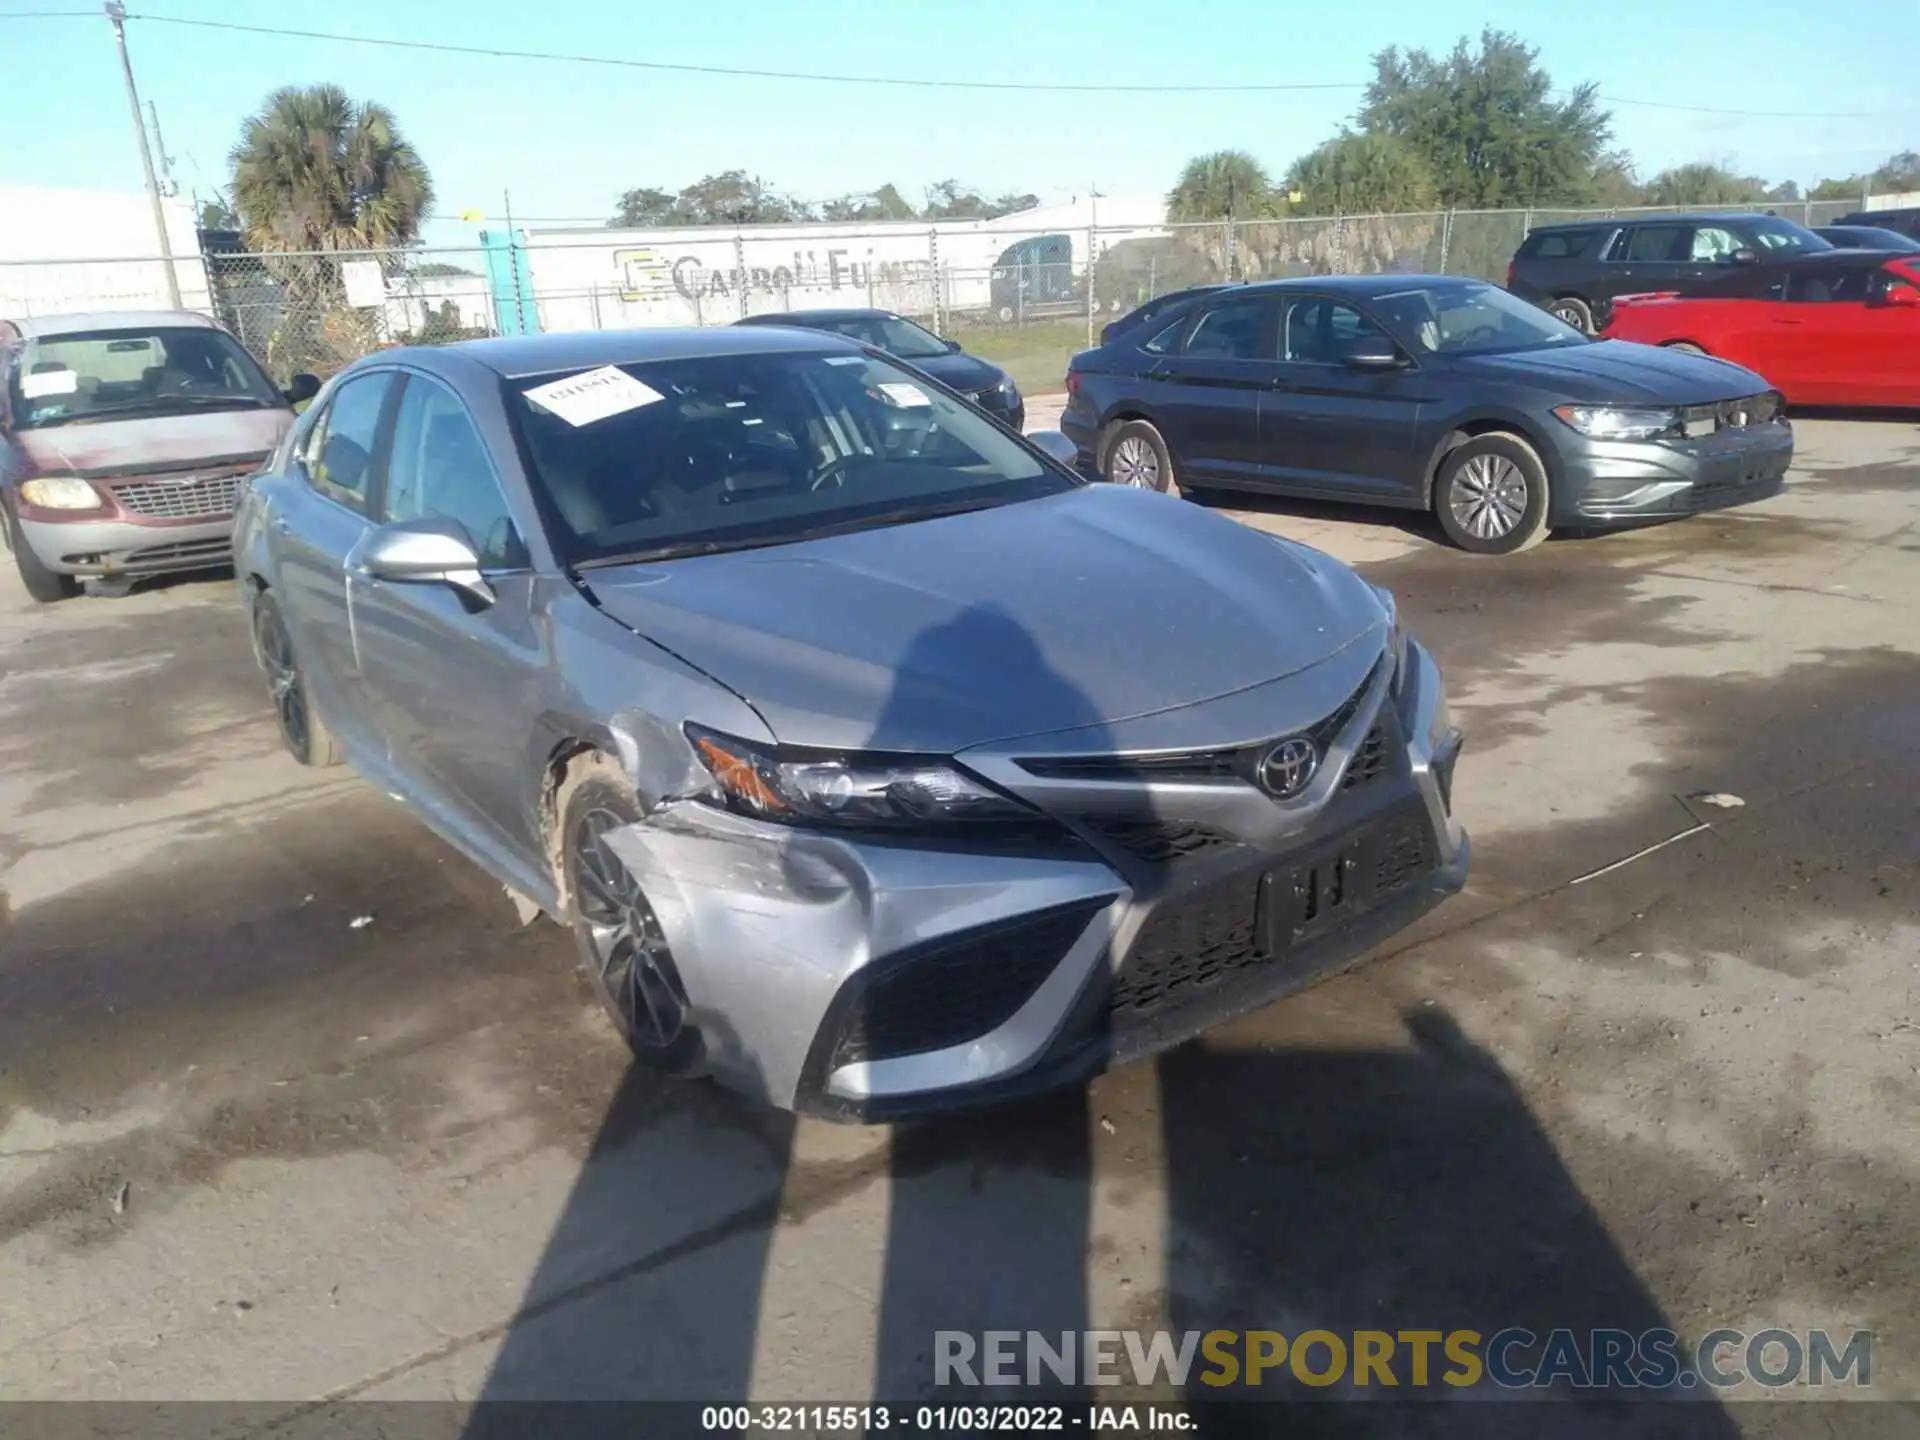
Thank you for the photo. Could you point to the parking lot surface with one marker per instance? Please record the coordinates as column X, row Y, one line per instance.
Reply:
column 292, row 1105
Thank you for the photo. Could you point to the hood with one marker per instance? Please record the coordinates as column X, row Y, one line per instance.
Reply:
column 965, row 373
column 1619, row 370
column 1091, row 607
column 106, row 448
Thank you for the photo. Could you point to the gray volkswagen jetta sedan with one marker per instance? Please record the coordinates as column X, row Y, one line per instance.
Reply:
column 877, row 763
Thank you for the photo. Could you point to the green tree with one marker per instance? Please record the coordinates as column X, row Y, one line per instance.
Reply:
column 1851, row 188
column 1356, row 174
column 1787, row 192
column 886, row 203
column 1487, row 125
column 315, row 170
column 1613, row 183
column 1226, row 182
column 1900, row 173
column 217, row 214
column 950, row 200
column 730, row 198
column 1703, row 184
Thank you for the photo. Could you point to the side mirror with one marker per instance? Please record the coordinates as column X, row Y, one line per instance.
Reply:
column 1744, row 256
column 434, row 551
column 1055, row 446
column 1372, row 352
column 953, row 347
column 1901, row 294
column 301, row 388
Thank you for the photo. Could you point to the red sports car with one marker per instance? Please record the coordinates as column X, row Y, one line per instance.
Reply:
column 1841, row 327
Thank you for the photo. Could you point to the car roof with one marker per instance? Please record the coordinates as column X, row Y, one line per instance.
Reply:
column 1360, row 285
column 1874, row 217
column 38, row 327
column 522, row 355
column 1688, row 217
column 803, row 317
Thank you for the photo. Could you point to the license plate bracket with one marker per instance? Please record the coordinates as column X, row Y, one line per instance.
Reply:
column 1298, row 902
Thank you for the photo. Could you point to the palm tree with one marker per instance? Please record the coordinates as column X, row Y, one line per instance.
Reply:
column 315, row 171
column 1361, row 174
column 1227, row 182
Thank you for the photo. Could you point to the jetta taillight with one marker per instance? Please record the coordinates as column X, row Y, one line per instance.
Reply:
column 1073, row 383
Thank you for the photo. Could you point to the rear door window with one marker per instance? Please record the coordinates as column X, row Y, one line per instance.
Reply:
column 339, row 454
column 1560, row 245
column 1650, row 244
column 1229, row 332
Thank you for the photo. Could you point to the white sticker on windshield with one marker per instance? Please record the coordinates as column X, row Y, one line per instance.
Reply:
column 846, row 359
column 594, row 395
column 33, row 385
column 902, row 393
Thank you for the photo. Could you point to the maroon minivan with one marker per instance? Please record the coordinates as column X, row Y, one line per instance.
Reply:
column 125, row 438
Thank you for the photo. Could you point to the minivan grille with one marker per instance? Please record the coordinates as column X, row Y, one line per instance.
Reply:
column 209, row 496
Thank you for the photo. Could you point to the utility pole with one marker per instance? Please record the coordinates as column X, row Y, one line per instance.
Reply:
column 117, row 16
column 167, row 186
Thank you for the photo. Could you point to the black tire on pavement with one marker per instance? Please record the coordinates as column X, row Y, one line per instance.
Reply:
column 301, row 729
column 622, row 948
column 1490, row 495
column 1134, row 453
column 44, row 585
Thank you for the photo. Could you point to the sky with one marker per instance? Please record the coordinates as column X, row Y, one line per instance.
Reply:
column 564, row 140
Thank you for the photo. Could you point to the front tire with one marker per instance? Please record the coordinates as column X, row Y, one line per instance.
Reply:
column 1490, row 495
column 301, row 730
column 622, row 947
column 1136, row 455
column 1572, row 310
column 44, row 585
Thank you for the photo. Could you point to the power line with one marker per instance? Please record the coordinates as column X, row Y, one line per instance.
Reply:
column 621, row 62
column 900, row 81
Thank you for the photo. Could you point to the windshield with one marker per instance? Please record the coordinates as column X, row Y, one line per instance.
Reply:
column 686, row 457
column 1471, row 319
column 126, row 374
column 1782, row 237
column 886, row 332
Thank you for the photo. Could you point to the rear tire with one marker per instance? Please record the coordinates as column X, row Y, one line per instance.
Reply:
column 301, row 729
column 44, row 585
column 1490, row 495
column 1574, row 311
column 1135, row 455
column 622, row 948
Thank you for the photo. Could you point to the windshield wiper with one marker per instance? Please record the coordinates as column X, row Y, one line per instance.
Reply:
column 681, row 549
column 150, row 407
column 903, row 516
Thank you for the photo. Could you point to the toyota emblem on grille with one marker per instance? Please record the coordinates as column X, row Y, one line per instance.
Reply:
column 1288, row 768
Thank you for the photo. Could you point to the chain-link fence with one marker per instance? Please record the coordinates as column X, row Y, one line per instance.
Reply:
column 1025, row 299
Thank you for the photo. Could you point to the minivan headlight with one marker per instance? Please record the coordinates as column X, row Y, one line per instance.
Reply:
column 1619, row 422
column 61, row 492
column 892, row 792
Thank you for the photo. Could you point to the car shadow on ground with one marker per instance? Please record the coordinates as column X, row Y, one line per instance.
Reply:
column 1419, row 524
column 1394, row 1189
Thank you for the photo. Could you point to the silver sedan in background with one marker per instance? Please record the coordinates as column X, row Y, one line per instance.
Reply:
column 877, row 762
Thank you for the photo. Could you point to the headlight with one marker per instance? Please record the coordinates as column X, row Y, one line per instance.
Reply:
column 874, row 791
column 60, row 492
column 1009, row 389
column 1614, row 422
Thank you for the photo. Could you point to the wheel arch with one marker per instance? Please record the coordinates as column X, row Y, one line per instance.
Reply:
column 1487, row 422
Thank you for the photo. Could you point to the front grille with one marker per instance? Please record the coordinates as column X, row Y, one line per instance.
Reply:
column 203, row 496
column 1234, row 762
column 1369, row 760
column 1227, row 927
column 957, row 988
column 1154, row 840
column 1741, row 414
column 217, row 551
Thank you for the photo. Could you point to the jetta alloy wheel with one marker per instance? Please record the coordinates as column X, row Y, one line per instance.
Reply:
column 1488, row 497
column 1135, row 463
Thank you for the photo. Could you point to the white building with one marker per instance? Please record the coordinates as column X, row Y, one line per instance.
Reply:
column 68, row 250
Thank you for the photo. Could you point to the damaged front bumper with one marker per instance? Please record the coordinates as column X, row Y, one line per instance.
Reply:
column 870, row 978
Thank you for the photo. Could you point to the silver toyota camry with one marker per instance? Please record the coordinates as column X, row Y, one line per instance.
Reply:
column 876, row 761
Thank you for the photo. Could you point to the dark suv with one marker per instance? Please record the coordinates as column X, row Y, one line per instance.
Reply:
column 1574, row 270
column 1901, row 222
